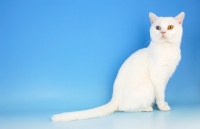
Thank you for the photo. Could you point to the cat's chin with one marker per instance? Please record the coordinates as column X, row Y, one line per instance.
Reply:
column 164, row 39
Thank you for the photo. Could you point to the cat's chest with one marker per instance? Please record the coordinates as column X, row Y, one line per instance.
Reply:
column 164, row 54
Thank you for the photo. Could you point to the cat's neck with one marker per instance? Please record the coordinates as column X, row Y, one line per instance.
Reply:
column 172, row 44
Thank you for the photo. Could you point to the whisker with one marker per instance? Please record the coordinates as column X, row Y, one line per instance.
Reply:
column 147, row 43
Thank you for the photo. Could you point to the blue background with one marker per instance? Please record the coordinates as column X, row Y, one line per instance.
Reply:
column 64, row 55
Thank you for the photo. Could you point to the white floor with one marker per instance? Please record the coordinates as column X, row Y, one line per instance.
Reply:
column 182, row 117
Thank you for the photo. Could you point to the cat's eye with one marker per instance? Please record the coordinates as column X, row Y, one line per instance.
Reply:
column 158, row 28
column 170, row 27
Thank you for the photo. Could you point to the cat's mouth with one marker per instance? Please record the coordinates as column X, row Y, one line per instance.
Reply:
column 163, row 36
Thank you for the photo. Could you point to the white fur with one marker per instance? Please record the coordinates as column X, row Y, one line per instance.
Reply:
column 144, row 75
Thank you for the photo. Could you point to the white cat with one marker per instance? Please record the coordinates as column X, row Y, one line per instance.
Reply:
column 144, row 75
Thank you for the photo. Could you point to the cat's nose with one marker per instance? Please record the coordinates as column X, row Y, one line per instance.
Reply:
column 163, row 32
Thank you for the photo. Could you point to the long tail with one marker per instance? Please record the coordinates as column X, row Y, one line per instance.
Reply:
column 86, row 114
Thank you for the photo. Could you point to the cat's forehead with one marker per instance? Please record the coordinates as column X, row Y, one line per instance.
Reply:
column 165, row 21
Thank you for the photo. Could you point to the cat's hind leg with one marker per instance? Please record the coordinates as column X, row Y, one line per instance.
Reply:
column 148, row 109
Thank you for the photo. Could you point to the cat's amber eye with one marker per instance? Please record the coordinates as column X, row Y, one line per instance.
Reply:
column 158, row 28
column 170, row 27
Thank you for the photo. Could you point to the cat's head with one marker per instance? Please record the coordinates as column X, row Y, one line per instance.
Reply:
column 166, row 29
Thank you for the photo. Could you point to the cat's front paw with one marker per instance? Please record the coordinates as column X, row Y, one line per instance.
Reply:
column 164, row 107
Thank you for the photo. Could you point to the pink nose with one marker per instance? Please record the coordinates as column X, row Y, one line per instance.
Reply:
column 163, row 32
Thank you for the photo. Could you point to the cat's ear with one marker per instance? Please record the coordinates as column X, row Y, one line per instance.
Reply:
column 152, row 17
column 180, row 17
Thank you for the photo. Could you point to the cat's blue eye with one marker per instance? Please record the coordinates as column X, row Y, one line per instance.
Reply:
column 158, row 28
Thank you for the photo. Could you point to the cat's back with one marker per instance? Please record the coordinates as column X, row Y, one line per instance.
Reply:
column 134, row 63
column 132, row 80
